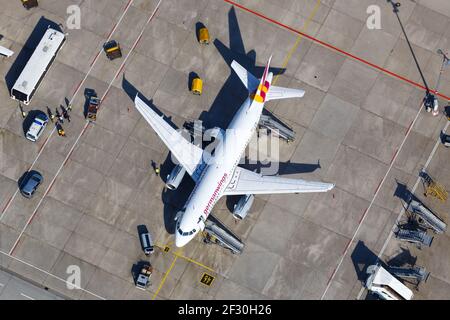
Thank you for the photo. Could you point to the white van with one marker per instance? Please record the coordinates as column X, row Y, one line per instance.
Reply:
column 37, row 127
column 147, row 243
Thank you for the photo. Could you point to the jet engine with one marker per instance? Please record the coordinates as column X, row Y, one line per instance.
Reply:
column 175, row 177
column 243, row 206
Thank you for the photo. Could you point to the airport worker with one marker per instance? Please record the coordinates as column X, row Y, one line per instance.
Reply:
column 59, row 116
column 65, row 113
column 50, row 114
column 157, row 171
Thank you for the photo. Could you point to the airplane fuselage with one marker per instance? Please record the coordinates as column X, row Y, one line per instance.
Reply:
column 219, row 171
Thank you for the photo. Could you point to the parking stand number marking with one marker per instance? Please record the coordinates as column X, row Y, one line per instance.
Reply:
column 207, row 279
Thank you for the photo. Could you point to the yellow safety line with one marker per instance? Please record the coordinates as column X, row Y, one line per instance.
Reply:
column 165, row 277
column 184, row 257
column 299, row 39
column 193, row 261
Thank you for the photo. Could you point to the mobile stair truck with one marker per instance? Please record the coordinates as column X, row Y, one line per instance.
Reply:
column 385, row 285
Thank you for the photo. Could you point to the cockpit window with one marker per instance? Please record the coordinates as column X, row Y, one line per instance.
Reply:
column 190, row 233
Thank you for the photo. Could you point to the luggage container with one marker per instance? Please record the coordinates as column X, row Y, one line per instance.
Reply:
column 112, row 50
column 203, row 35
column 197, row 86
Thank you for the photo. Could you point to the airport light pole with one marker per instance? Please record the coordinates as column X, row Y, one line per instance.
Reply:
column 430, row 100
column 445, row 63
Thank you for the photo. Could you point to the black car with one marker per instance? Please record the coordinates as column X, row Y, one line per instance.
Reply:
column 30, row 183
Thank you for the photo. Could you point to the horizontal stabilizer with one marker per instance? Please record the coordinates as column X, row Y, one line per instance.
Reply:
column 247, row 182
column 5, row 52
column 249, row 80
column 277, row 93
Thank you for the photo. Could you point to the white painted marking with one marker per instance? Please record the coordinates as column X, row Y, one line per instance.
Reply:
column 80, row 135
column 49, row 274
column 372, row 202
column 70, row 102
column 402, row 212
column 28, row 297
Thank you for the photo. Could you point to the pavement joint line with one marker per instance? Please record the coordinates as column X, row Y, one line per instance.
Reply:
column 70, row 102
column 334, row 48
column 299, row 39
column 402, row 211
column 51, row 275
column 165, row 277
column 330, row 280
column 79, row 136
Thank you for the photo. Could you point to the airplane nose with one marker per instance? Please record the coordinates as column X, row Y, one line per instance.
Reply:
column 181, row 241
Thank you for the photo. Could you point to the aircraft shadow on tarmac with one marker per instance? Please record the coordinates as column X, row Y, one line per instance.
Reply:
column 225, row 105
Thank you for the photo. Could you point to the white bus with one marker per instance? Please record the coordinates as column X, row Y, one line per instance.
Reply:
column 36, row 68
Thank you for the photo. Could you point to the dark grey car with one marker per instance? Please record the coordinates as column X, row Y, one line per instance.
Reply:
column 30, row 183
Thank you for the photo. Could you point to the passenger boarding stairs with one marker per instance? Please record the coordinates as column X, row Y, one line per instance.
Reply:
column 217, row 233
column 427, row 217
column 415, row 236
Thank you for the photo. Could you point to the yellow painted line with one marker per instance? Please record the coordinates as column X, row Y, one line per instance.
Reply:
column 162, row 247
column 165, row 277
column 299, row 38
column 193, row 261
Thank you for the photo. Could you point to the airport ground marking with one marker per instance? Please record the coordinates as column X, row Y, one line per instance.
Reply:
column 299, row 39
column 51, row 275
column 391, row 165
column 163, row 248
column 41, row 150
column 165, row 277
column 402, row 211
column 28, row 297
column 86, row 126
column 334, row 48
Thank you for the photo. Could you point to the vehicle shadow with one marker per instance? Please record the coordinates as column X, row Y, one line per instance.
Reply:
column 27, row 50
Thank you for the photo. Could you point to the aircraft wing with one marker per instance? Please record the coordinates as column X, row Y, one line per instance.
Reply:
column 187, row 154
column 248, row 182
column 277, row 93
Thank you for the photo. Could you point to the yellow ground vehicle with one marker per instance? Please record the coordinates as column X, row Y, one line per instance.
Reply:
column 112, row 49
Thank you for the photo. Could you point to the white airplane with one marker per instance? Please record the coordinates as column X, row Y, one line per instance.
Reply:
column 222, row 176
column 5, row 52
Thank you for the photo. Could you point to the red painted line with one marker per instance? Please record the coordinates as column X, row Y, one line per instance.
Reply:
column 362, row 217
column 393, row 157
column 334, row 48
column 409, row 127
column 346, row 247
column 50, row 188
column 77, row 87
column 331, row 277
column 7, row 204
column 34, row 215
column 379, row 185
column 95, row 58
column 110, row 33
column 120, row 71
column 14, row 248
